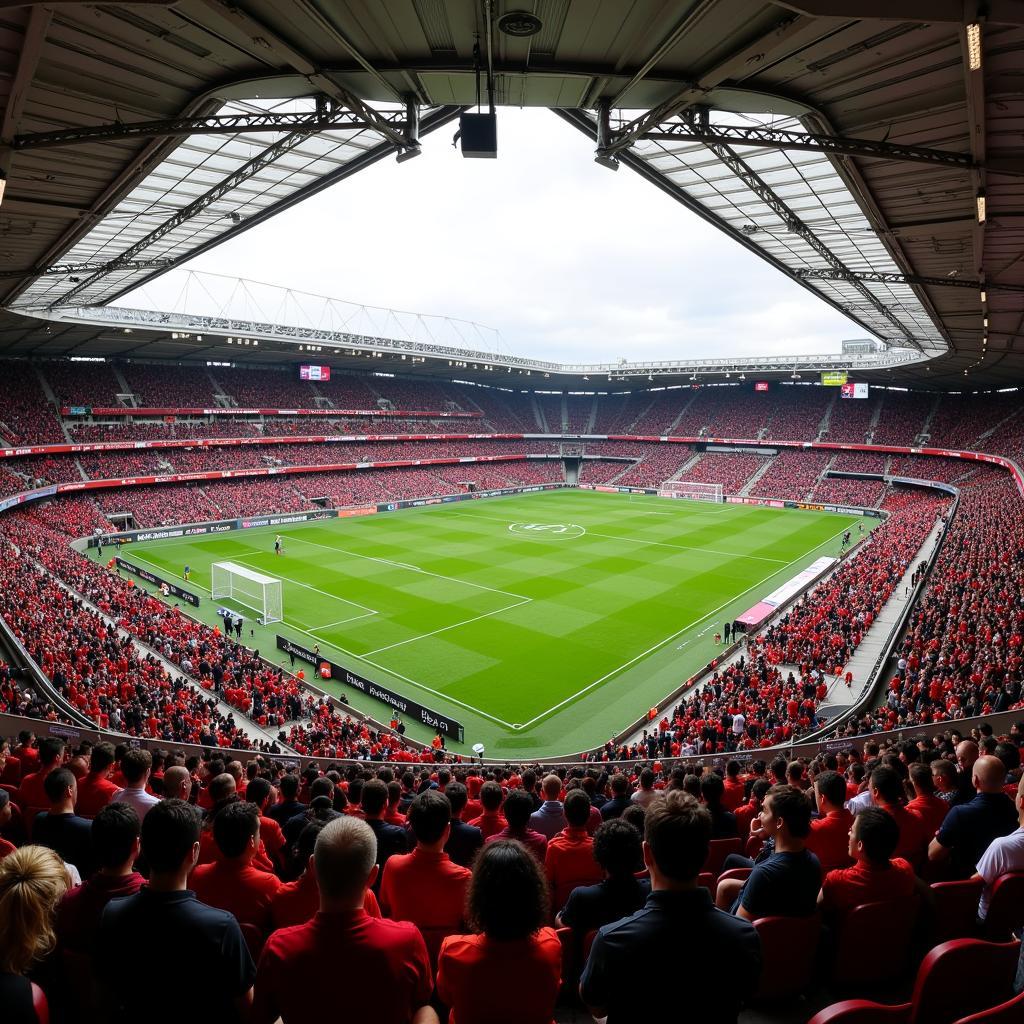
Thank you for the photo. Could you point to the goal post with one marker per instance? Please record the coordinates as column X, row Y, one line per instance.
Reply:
column 249, row 588
column 693, row 489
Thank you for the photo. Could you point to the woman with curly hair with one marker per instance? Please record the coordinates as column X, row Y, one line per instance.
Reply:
column 32, row 882
column 510, row 971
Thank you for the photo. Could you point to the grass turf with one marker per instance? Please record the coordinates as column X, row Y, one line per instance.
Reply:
column 539, row 641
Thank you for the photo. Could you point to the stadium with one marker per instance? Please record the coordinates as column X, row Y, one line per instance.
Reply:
column 335, row 634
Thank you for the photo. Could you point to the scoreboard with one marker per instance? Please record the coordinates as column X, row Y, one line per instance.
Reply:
column 307, row 372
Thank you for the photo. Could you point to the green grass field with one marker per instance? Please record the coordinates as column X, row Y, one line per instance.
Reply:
column 540, row 641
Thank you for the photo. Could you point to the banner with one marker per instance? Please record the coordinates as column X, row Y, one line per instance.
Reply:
column 448, row 726
column 185, row 595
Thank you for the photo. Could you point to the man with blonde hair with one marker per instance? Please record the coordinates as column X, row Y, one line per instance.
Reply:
column 389, row 958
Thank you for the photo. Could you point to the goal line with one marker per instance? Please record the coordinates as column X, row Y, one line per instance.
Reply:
column 694, row 490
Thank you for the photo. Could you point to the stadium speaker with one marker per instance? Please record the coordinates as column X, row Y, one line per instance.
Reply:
column 478, row 134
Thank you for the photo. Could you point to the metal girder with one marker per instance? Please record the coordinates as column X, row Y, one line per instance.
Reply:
column 222, row 188
column 774, row 138
column 774, row 202
column 309, row 122
column 830, row 274
column 1001, row 12
column 82, row 268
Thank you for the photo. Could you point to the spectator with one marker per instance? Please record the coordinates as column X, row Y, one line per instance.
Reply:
column 464, row 840
column 32, row 792
column 618, row 851
column 135, row 767
column 887, row 792
column 32, row 882
column 734, row 793
column 926, row 806
column 387, row 960
column 1004, row 854
column 177, row 783
column 549, row 818
column 876, row 876
column 426, row 887
column 507, row 908
column 569, row 859
column 969, row 828
column 60, row 828
column 96, row 790
column 231, row 882
column 115, row 842
column 260, row 792
column 619, row 801
column 518, row 815
column 829, row 838
column 653, row 942
column 746, row 814
column 723, row 822
column 646, row 794
column 390, row 838
column 492, row 820
column 787, row 882
column 6, row 814
column 288, row 806
column 947, row 782
column 220, row 971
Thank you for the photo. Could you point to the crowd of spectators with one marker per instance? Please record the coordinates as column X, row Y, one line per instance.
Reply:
column 839, row 491
column 438, row 884
column 930, row 467
column 185, row 387
column 26, row 416
column 617, row 413
column 550, row 409
column 730, row 469
column 851, row 419
column 160, row 505
column 578, row 412
column 79, row 383
column 903, row 417
column 791, row 474
column 600, row 471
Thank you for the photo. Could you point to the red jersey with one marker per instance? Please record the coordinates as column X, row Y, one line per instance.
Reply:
column 569, row 862
column 240, row 889
column 829, row 840
column 863, row 883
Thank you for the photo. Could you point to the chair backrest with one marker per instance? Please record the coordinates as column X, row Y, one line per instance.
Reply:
column 1010, row 1012
column 956, row 908
column 1005, row 907
column 718, row 850
column 960, row 977
column 788, row 947
column 861, row 1011
column 40, row 1005
column 752, row 847
column 740, row 874
column 706, row 880
column 872, row 943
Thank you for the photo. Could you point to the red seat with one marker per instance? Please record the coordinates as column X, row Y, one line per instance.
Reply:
column 872, row 944
column 956, row 909
column 953, row 979
column 706, row 880
column 718, row 850
column 753, row 846
column 1010, row 1012
column 254, row 939
column 40, row 1005
column 788, row 946
column 1005, row 907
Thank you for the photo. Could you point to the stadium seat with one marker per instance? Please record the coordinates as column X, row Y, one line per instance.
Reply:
column 788, row 946
column 40, row 1005
column 952, row 980
column 1010, row 1012
column 1005, row 908
column 254, row 938
column 872, row 944
column 955, row 909
column 707, row 880
column 753, row 846
column 740, row 874
column 718, row 850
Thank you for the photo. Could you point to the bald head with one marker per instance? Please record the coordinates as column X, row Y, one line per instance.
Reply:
column 177, row 783
column 989, row 774
column 345, row 860
column 966, row 754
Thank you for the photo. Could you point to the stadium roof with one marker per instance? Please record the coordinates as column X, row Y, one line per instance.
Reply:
column 851, row 143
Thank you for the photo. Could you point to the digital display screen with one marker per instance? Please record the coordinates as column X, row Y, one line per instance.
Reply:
column 852, row 390
column 761, row 385
column 314, row 372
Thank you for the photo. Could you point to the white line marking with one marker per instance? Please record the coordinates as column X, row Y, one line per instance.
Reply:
column 668, row 639
column 317, row 590
column 353, row 618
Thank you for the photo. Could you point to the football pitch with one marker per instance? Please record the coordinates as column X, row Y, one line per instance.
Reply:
column 544, row 623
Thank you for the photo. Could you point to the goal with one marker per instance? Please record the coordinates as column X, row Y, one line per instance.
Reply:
column 248, row 588
column 692, row 489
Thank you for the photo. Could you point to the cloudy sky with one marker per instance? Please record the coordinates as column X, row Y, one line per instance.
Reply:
column 567, row 260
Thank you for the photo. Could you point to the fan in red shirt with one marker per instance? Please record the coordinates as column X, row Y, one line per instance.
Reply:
column 387, row 959
column 426, row 886
column 569, row 860
column 829, row 838
column 887, row 792
column 32, row 792
column 261, row 793
column 508, row 907
column 748, row 813
column 231, row 882
column 732, row 796
column 518, row 808
column 926, row 805
column 96, row 790
column 492, row 820
column 875, row 877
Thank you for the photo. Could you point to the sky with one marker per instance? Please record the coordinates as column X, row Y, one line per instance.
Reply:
column 563, row 258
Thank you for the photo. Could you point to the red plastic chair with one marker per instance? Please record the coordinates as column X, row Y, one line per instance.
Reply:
column 872, row 944
column 40, row 1005
column 753, row 846
column 706, row 880
column 956, row 909
column 952, row 980
column 788, row 946
column 1005, row 908
column 718, row 850
column 740, row 873
column 1010, row 1012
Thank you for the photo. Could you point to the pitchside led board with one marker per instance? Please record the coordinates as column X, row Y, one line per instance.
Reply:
column 314, row 372
column 852, row 390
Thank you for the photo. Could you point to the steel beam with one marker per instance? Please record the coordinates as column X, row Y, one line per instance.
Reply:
column 81, row 268
column 774, row 138
column 831, row 274
column 310, row 122
column 1000, row 12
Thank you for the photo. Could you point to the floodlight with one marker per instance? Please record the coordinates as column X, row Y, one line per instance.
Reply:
column 981, row 207
column 974, row 46
column 607, row 160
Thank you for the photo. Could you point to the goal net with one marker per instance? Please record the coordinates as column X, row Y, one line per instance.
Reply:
column 692, row 489
column 248, row 588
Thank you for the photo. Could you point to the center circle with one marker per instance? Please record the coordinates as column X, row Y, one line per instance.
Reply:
column 557, row 530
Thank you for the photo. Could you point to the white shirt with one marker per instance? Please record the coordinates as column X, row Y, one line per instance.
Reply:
column 1003, row 855
column 137, row 798
column 859, row 802
column 739, row 723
